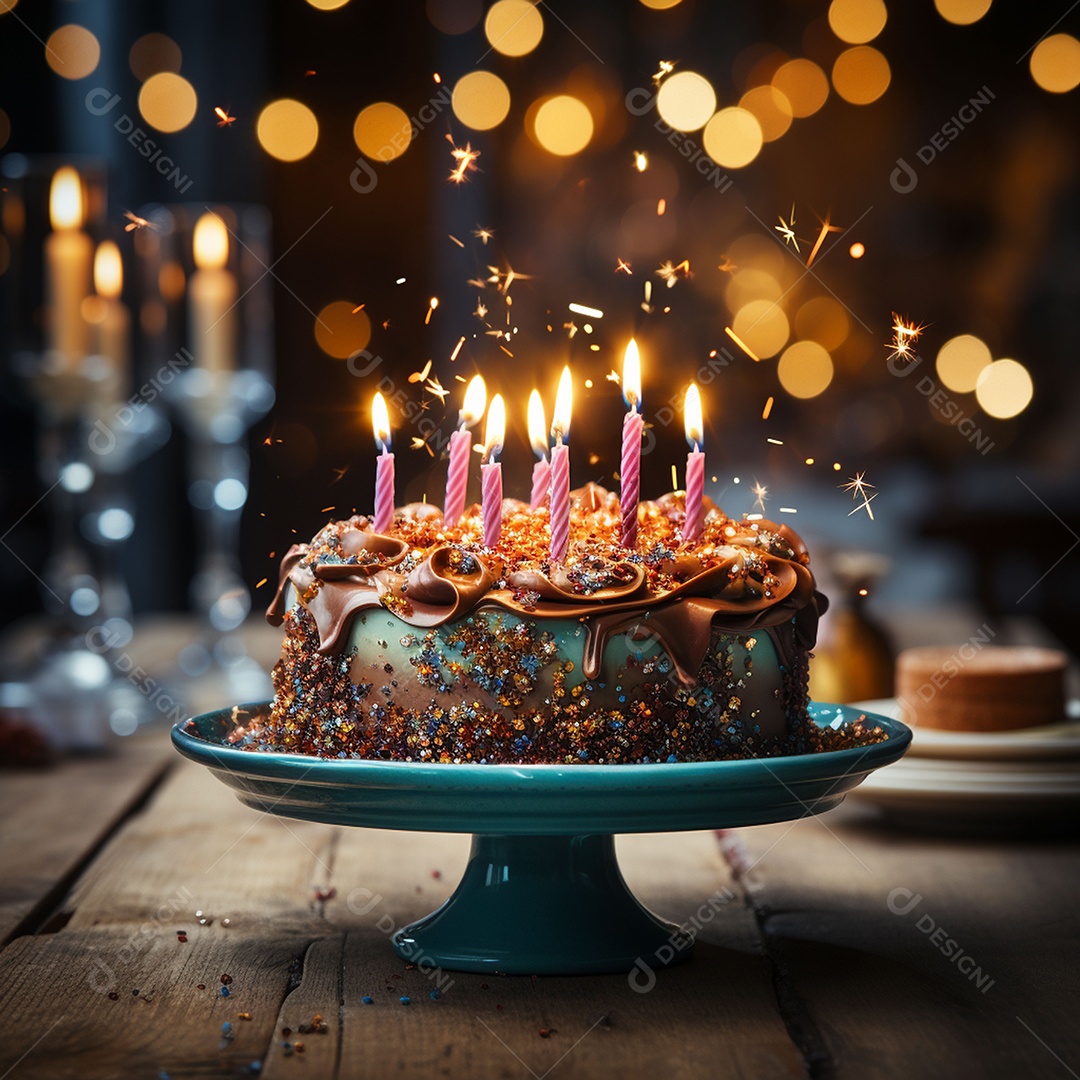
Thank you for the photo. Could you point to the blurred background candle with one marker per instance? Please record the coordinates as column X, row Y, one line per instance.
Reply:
column 538, row 436
column 630, row 468
column 695, row 465
column 68, row 255
column 211, row 298
column 491, row 471
column 111, row 319
column 457, row 476
column 384, row 468
column 560, row 469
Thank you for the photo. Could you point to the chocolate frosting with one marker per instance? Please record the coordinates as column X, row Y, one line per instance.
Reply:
column 756, row 578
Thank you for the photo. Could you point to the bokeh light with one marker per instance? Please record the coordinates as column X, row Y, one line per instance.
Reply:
column 771, row 109
column 804, row 84
column 861, row 74
column 327, row 5
column 960, row 362
column 454, row 16
column 660, row 5
column 563, row 125
column 383, row 131
column 7, row 5
column 287, row 130
column 733, row 138
column 514, row 27
column 805, row 370
column 823, row 320
column 341, row 330
column 1055, row 63
column 962, row 12
column 686, row 100
column 480, row 100
column 1004, row 389
column 153, row 53
column 168, row 101
column 857, row 250
column 72, row 51
column 857, row 21
column 750, row 283
column 763, row 326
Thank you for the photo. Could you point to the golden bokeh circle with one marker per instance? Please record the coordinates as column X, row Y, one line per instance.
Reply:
column 1004, row 389
column 287, row 130
column 962, row 12
column 7, row 5
column 168, row 101
column 751, row 283
column 513, row 27
column 804, row 84
column 72, row 51
column 960, row 362
column 563, row 125
column 153, row 53
column 771, row 108
column 686, row 100
column 805, row 370
column 823, row 320
column 454, row 16
column 480, row 100
column 857, row 21
column 327, row 5
column 733, row 138
column 382, row 131
column 762, row 326
column 1055, row 63
column 861, row 74
column 660, row 5
column 341, row 330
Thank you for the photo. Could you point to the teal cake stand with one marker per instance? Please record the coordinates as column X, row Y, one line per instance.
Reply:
column 542, row 893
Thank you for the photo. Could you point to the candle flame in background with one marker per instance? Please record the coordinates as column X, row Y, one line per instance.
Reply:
column 475, row 401
column 538, row 429
column 380, row 422
column 564, row 401
column 108, row 271
column 66, row 199
column 692, row 418
column 631, row 376
column 494, row 428
column 211, row 242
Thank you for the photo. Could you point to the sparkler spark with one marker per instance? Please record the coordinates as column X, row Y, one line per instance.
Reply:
column 742, row 344
column 671, row 272
column 858, row 486
column 905, row 335
column 787, row 230
column 466, row 161
column 826, row 228
column 622, row 267
column 641, row 162
column 457, row 348
column 481, row 310
column 422, row 374
column 436, row 389
column 419, row 443
column 338, row 475
column 136, row 222
column 482, row 234
column 224, row 119
column 761, row 493
column 665, row 69
column 502, row 280
column 726, row 266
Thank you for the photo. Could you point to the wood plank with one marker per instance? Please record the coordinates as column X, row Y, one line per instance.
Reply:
column 871, row 988
column 52, row 820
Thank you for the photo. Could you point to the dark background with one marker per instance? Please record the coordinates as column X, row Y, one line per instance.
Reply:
column 985, row 244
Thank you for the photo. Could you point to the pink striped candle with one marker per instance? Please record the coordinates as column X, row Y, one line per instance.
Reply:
column 538, row 437
column 491, row 489
column 694, row 520
column 541, row 484
column 384, row 474
column 630, row 464
column 457, row 476
column 560, row 471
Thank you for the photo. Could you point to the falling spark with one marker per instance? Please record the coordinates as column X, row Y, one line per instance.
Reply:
column 136, row 222
column 742, row 344
column 809, row 461
column 309, row 73
column 457, row 348
column 588, row 384
column 826, row 228
column 386, row 324
column 570, row 326
column 436, row 389
column 836, row 466
column 768, row 409
column 864, row 592
column 622, row 267
column 502, row 281
column 674, row 478
column 422, row 444
column 613, row 376
column 761, row 493
column 788, row 510
column 481, row 310
column 224, row 119
column 787, row 231
column 857, row 250
column 437, row 77
column 726, row 266
column 261, row 583
column 666, row 68
column 671, row 272
column 661, row 206
column 433, row 303
column 508, row 353
column 327, row 509
column 482, row 234
column 858, row 486
column 775, row 442
column 581, row 309
column 905, row 334
column 641, row 162
column 359, row 307
column 338, row 475
column 460, row 243
column 466, row 160
column 399, row 281
column 422, row 374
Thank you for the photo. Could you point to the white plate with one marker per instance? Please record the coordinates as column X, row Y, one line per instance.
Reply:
column 1049, row 741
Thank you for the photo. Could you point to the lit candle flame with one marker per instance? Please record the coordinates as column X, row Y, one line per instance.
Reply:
column 108, row 271
column 380, row 422
column 66, row 199
column 692, row 418
column 211, row 243
column 475, row 400
column 560, row 422
column 494, row 428
column 631, row 376
column 538, row 429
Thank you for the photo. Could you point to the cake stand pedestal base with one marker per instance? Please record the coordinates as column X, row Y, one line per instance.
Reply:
column 542, row 905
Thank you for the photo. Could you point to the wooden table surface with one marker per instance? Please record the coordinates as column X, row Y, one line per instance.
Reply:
column 838, row 948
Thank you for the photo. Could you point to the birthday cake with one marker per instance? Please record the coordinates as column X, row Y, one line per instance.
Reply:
column 419, row 643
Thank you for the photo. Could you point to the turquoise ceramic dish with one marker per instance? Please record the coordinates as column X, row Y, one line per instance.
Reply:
column 542, row 893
